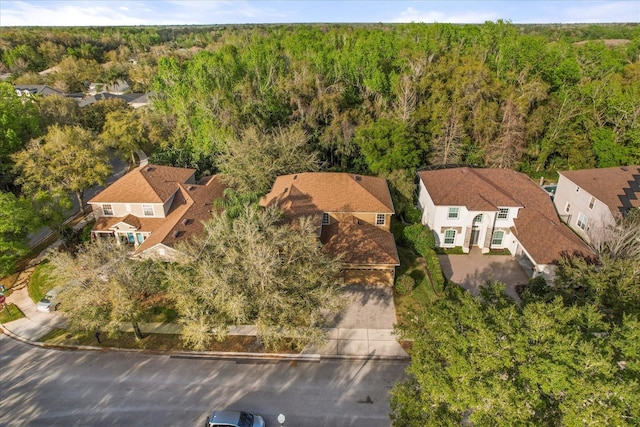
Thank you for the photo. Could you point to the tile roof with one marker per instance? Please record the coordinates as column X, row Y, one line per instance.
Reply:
column 312, row 193
column 145, row 184
column 359, row 243
column 537, row 226
column 192, row 205
column 43, row 90
column 618, row 187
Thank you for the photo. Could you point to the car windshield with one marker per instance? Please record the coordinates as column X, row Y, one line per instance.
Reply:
column 46, row 300
column 246, row 420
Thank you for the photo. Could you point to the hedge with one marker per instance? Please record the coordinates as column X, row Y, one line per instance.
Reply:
column 421, row 240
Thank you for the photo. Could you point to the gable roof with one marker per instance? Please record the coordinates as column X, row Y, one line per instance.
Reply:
column 192, row 205
column 311, row 193
column 43, row 90
column 618, row 187
column 537, row 225
column 359, row 243
column 145, row 184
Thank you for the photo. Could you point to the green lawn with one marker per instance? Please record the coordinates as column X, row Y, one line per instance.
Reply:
column 423, row 294
column 12, row 312
column 40, row 282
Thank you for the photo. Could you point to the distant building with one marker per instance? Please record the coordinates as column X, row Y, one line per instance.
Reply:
column 33, row 90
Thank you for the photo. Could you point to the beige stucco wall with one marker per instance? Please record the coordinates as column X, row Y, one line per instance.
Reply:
column 367, row 217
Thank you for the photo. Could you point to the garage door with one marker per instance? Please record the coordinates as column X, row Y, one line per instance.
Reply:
column 366, row 277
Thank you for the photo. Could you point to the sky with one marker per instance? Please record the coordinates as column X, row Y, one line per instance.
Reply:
column 182, row 12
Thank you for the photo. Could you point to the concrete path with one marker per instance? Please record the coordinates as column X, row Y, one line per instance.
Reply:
column 361, row 342
column 473, row 270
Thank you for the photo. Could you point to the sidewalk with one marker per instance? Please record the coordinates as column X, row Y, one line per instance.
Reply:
column 341, row 342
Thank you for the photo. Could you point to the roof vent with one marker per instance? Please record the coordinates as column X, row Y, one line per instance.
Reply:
column 192, row 187
column 357, row 178
column 295, row 176
column 148, row 169
column 187, row 221
column 624, row 168
column 285, row 190
column 178, row 233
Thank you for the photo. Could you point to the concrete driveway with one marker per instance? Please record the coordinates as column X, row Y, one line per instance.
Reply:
column 370, row 307
column 474, row 270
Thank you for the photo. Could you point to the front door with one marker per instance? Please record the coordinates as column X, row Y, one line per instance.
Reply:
column 475, row 230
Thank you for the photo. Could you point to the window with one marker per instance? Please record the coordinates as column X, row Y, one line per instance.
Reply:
column 503, row 213
column 477, row 220
column 582, row 221
column 567, row 207
column 147, row 210
column 107, row 210
column 325, row 219
column 449, row 237
column 592, row 202
column 496, row 239
column 453, row 213
column 380, row 219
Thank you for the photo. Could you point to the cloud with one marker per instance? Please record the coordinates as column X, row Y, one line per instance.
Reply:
column 413, row 15
column 22, row 13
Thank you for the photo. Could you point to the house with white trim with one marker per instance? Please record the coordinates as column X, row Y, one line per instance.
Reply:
column 591, row 200
column 153, row 207
column 495, row 209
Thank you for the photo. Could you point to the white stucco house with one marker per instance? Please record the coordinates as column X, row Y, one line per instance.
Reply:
column 496, row 209
column 590, row 200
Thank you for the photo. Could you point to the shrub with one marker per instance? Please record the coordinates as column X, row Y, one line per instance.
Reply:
column 421, row 240
column 404, row 284
column 413, row 215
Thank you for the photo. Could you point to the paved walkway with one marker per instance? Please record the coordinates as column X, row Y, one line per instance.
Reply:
column 474, row 270
column 342, row 342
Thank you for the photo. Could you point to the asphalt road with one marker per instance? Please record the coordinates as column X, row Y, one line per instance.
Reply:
column 44, row 387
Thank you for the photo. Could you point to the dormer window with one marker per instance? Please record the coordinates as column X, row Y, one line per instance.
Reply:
column 381, row 219
column 503, row 213
column 326, row 220
column 147, row 210
column 454, row 213
column 107, row 210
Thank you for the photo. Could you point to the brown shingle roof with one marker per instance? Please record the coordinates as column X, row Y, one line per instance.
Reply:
column 360, row 243
column 146, row 184
column 311, row 193
column 618, row 187
column 466, row 187
column 191, row 206
column 537, row 226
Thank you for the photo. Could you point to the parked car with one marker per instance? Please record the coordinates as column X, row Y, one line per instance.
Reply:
column 234, row 419
column 49, row 302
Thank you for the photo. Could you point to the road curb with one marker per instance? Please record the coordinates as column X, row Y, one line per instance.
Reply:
column 204, row 355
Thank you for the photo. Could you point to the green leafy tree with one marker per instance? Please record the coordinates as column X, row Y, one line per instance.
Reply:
column 103, row 289
column 17, row 219
column 18, row 124
column 388, row 144
column 124, row 131
column 492, row 362
column 252, row 162
column 66, row 160
column 255, row 269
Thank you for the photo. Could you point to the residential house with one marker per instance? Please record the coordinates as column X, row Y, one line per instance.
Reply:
column 134, row 100
column 496, row 209
column 32, row 90
column 154, row 207
column 590, row 200
column 353, row 214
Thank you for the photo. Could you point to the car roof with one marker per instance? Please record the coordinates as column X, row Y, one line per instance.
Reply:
column 225, row 417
